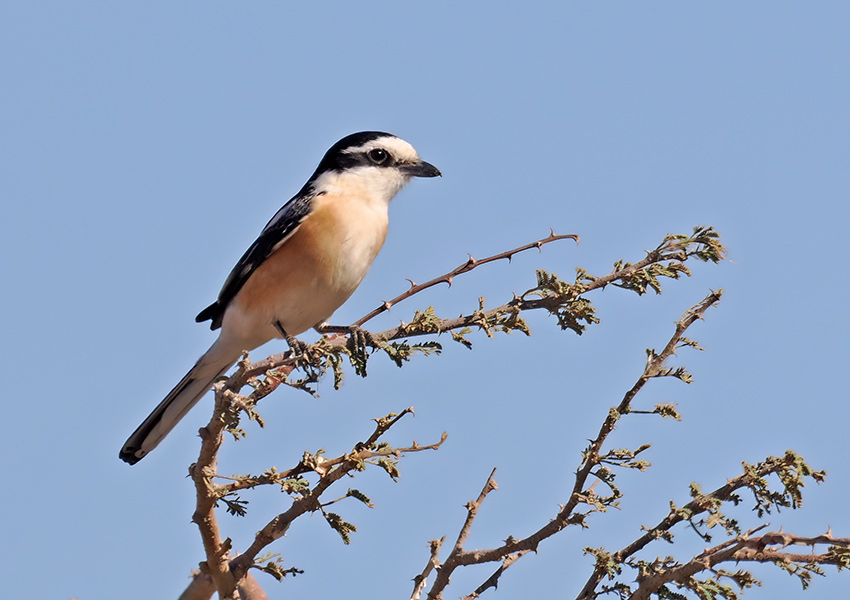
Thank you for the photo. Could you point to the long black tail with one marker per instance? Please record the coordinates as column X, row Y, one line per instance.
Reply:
column 176, row 404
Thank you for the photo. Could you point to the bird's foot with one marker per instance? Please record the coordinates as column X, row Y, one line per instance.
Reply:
column 296, row 347
column 358, row 343
column 360, row 336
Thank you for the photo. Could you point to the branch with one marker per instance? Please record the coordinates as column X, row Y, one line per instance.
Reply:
column 455, row 557
column 329, row 471
column 227, row 575
column 421, row 580
column 655, row 367
column 559, row 298
column 493, row 580
column 581, row 494
column 202, row 473
column 564, row 300
column 466, row 267
column 790, row 470
column 202, row 588
column 745, row 548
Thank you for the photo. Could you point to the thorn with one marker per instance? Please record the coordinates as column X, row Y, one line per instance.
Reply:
column 412, row 283
column 449, row 280
column 387, row 305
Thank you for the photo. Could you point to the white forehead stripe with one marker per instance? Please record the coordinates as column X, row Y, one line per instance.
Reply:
column 401, row 150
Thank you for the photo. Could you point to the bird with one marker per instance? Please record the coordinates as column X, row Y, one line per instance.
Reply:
column 306, row 262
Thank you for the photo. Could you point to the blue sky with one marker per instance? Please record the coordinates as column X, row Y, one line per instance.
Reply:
column 146, row 144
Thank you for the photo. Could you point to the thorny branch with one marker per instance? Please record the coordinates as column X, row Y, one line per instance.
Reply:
column 227, row 572
column 790, row 469
column 421, row 580
column 456, row 556
column 493, row 580
column 581, row 494
column 329, row 472
column 466, row 267
column 766, row 548
column 202, row 473
column 565, row 301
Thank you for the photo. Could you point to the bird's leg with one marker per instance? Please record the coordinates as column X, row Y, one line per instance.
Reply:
column 296, row 346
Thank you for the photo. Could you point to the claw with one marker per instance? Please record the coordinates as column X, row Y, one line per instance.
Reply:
column 296, row 346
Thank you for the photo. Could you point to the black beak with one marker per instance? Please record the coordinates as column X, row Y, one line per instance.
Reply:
column 421, row 169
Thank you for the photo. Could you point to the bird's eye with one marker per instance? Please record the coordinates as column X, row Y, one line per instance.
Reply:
column 378, row 156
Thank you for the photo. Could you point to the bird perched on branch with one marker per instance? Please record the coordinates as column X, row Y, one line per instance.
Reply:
column 305, row 264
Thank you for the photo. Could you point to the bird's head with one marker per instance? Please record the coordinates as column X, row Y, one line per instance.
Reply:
column 378, row 163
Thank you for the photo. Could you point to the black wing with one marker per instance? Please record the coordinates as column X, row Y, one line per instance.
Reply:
column 275, row 233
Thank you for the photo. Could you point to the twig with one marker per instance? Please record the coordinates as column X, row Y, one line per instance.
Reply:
column 472, row 510
column 225, row 572
column 469, row 265
column 654, row 367
column 493, row 580
column 592, row 457
column 700, row 504
column 421, row 580
column 667, row 259
column 454, row 559
column 329, row 471
column 743, row 548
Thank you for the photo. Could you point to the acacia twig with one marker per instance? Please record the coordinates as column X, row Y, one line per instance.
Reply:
column 654, row 367
column 454, row 559
column 787, row 467
column 744, row 548
column 666, row 260
column 421, row 580
column 580, row 494
column 329, row 471
column 493, row 580
column 226, row 574
column 469, row 265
